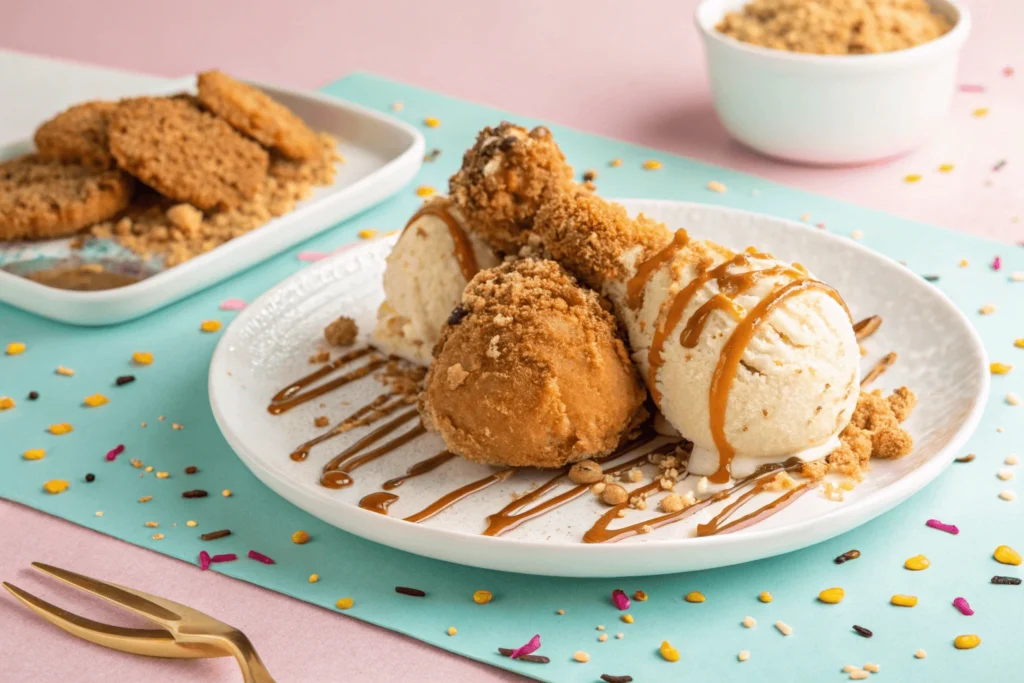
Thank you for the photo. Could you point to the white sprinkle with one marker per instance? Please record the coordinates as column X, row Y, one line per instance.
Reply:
column 603, row 637
column 99, row 513
column 873, row 668
column 859, row 675
column 1000, row 430
column 581, row 657
column 850, row 668
column 600, row 627
column 1013, row 399
column 987, row 309
column 1005, row 474
column 1008, row 495
column 920, row 654
column 1017, row 276
column 620, row 636
column 743, row 656
column 784, row 628
column 1012, row 459
column 857, row 234
column 749, row 622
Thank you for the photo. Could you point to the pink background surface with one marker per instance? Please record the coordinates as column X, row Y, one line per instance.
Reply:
column 632, row 71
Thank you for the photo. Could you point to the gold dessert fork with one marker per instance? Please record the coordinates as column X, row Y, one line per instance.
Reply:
column 185, row 633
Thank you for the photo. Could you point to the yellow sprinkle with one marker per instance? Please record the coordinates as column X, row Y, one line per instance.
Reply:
column 1006, row 555
column 917, row 563
column 581, row 657
column 6, row 402
column 60, row 428
column 99, row 513
column 152, row 525
column 628, row 618
column 987, row 309
column 142, row 358
column 832, row 596
column 158, row 537
column 482, row 597
column 652, row 165
column 963, row 263
column 452, row 631
column 191, row 522
column 300, row 537
column 716, row 186
column 602, row 638
column 967, row 642
column 668, row 652
column 694, row 597
column 149, row 468
column 424, row 190
column 96, row 400
column 1019, row 342
column 313, row 578
column 765, row 597
column 145, row 499
column 904, row 600
column 344, row 603
column 615, row 163
column 136, row 463
column 998, row 368
column 67, row 372
column 34, row 454
column 980, row 111
column 920, row 654
column 60, row 485
column 367, row 234
column 397, row 106
column 912, row 178
column 639, row 595
column 431, row 122
column 210, row 325
column 945, row 168
column 14, row 348
column 177, row 427
column 226, row 493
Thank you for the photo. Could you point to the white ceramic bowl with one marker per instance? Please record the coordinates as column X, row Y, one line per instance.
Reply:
column 831, row 109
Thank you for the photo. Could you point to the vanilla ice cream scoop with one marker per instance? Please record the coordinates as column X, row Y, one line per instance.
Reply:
column 747, row 356
column 423, row 281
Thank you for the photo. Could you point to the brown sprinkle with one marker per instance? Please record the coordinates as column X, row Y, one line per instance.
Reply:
column 414, row 592
column 966, row 458
column 609, row 678
column 124, row 379
column 847, row 556
column 214, row 535
column 538, row 659
column 863, row 631
column 191, row 469
column 1006, row 580
column 195, row 493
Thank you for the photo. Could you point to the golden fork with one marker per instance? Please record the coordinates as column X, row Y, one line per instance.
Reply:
column 184, row 633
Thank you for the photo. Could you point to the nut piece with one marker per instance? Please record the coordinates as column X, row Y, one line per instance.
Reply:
column 585, row 472
column 614, row 494
column 341, row 332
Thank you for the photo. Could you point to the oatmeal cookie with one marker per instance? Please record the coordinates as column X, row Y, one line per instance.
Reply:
column 78, row 135
column 185, row 153
column 252, row 112
column 43, row 198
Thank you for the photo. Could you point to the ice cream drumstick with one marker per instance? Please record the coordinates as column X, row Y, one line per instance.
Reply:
column 747, row 356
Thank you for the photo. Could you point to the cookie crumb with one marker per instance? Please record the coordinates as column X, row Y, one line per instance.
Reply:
column 341, row 332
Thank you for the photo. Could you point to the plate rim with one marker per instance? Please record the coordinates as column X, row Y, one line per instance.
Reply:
column 376, row 527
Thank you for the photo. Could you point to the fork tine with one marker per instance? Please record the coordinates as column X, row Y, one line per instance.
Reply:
column 152, row 642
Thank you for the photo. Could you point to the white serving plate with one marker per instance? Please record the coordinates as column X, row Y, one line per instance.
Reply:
column 381, row 155
column 267, row 345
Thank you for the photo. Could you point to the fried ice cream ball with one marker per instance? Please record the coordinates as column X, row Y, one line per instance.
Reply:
column 530, row 371
column 504, row 178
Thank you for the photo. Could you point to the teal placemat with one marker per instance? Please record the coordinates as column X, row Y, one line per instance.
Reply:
column 708, row 635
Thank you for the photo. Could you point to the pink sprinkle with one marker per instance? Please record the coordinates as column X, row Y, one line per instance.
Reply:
column 232, row 305
column 226, row 557
column 967, row 87
column 260, row 557
column 961, row 604
column 114, row 452
column 997, row 263
column 620, row 599
column 948, row 528
column 204, row 560
column 527, row 649
column 1008, row 71
column 311, row 256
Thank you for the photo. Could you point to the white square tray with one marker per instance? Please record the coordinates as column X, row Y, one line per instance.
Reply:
column 381, row 155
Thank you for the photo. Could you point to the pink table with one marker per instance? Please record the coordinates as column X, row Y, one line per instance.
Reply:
column 597, row 65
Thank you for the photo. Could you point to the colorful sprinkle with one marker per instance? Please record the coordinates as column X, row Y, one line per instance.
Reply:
column 1012, row 399
column 997, row 263
column 920, row 654
column 452, row 630
column 1008, row 495
column 904, row 600
column 530, row 647
column 716, row 186
column 60, row 428
column 413, row 592
column 232, row 304
column 832, row 596
column 652, row 165
column 367, row 234
column 668, row 653
column 581, row 657
column 743, row 656
column 66, row 372
column 210, row 325
column 967, row 642
column 917, row 563
column 961, row 604
column 912, row 178
column 863, row 631
column 114, row 452
column 344, row 603
column 615, row 163
column 260, row 557
column 749, row 622
column 96, row 400
column 34, row 454
column 948, row 528
column 765, row 596
column 431, row 122
column 639, row 595
column 1006, row 555
column 997, row 368
column 121, row 380
column 313, row 578
column 311, row 256
column 945, row 168
column 620, row 599
column 300, row 537
column 980, row 111
column 694, row 596
column 784, row 628
column 204, row 560
column 847, row 556
column 482, row 597
column 6, row 402
column 142, row 358
column 627, row 618
column 55, row 486
column 970, row 87
column 1006, row 580
column 225, row 557
column 15, row 348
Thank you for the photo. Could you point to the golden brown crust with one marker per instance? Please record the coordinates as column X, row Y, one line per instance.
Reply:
column 588, row 235
column 504, row 178
column 78, row 135
column 42, row 198
column 530, row 371
column 254, row 113
column 185, row 153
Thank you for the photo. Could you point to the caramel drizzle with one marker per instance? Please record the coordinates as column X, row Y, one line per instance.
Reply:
column 458, row 494
column 464, row 253
column 378, row 502
column 638, row 283
column 715, row 525
column 729, row 362
column 292, row 395
column 335, row 472
column 378, row 409
column 600, row 533
column 881, row 366
column 418, row 469
column 867, row 327
column 507, row 518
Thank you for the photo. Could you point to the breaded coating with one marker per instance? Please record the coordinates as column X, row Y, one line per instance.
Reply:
column 530, row 370
column 503, row 180
column 78, row 135
column 588, row 235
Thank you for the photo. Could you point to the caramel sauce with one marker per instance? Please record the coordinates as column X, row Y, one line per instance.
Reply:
column 863, row 329
column 881, row 366
column 335, row 479
column 378, row 502
column 464, row 253
column 458, row 494
column 335, row 472
column 695, row 325
column 379, row 407
column 638, row 283
column 384, row 449
column 418, row 469
column 716, row 526
column 292, row 395
column 729, row 362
